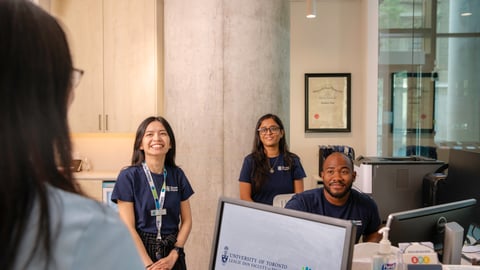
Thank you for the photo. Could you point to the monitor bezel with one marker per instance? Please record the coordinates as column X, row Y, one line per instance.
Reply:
column 350, row 228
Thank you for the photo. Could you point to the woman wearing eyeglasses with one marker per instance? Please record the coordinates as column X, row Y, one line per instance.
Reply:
column 270, row 169
column 45, row 221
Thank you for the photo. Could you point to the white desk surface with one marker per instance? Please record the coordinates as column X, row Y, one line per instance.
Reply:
column 362, row 261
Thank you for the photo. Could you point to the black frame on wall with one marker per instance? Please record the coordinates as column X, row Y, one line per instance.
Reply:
column 327, row 102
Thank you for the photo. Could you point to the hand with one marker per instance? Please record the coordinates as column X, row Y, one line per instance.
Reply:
column 165, row 263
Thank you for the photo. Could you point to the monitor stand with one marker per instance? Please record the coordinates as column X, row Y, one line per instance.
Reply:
column 452, row 243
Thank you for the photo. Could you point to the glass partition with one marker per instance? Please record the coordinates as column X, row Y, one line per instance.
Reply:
column 429, row 78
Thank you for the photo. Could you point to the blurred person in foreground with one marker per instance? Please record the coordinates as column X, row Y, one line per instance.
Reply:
column 45, row 222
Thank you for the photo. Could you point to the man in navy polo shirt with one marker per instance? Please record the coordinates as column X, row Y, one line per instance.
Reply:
column 337, row 198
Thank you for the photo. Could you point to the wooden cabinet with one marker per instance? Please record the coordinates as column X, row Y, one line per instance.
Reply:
column 91, row 188
column 96, row 188
column 115, row 43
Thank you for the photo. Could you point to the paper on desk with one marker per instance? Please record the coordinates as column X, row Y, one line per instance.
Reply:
column 471, row 253
column 470, row 249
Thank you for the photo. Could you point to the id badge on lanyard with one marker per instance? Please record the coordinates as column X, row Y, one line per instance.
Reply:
column 159, row 211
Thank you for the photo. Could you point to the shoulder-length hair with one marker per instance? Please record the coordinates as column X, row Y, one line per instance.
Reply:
column 138, row 155
column 261, row 165
column 35, row 86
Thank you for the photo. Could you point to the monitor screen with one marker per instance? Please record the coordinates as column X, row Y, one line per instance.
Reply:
column 257, row 236
column 427, row 224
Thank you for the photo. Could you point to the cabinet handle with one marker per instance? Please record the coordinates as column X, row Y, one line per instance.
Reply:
column 100, row 122
column 106, row 122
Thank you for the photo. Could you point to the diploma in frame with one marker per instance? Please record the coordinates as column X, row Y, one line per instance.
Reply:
column 413, row 102
column 327, row 102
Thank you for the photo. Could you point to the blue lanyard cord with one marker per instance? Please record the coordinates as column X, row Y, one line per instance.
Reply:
column 159, row 202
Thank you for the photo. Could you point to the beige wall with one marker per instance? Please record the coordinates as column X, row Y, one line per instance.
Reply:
column 334, row 42
column 105, row 152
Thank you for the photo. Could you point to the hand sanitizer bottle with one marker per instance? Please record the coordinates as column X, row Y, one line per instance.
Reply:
column 385, row 259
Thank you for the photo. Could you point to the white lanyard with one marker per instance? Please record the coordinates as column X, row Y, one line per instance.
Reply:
column 159, row 210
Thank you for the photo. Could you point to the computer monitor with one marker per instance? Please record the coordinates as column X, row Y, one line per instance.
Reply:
column 428, row 224
column 250, row 235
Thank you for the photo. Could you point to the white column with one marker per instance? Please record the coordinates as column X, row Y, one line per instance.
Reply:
column 226, row 64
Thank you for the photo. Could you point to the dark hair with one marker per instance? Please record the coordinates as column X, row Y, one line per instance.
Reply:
column 260, row 159
column 347, row 158
column 35, row 85
column 138, row 155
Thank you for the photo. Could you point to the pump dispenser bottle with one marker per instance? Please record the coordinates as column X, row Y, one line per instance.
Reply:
column 385, row 259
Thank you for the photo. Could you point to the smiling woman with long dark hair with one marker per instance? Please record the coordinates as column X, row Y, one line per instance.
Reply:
column 153, row 197
column 270, row 169
column 45, row 223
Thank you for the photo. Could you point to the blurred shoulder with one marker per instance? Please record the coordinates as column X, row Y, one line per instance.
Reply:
column 85, row 228
column 78, row 210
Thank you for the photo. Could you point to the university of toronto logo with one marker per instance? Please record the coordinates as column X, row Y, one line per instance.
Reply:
column 225, row 255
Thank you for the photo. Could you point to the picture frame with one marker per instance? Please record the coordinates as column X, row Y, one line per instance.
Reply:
column 76, row 165
column 327, row 102
column 413, row 102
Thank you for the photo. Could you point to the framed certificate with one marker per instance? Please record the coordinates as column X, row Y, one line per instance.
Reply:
column 327, row 102
column 413, row 101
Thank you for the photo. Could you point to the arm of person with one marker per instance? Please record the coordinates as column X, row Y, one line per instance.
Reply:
column 185, row 228
column 127, row 215
column 246, row 191
column 376, row 223
column 298, row 185
column 373, row 237
column 186, row 223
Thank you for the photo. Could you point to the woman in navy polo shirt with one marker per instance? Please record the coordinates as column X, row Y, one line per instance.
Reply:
column 270, row 169
column 157, row 212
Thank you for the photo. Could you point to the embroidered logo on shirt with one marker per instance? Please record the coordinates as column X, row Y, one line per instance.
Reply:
column 357, row 222
column 283, row 168
column 170, row 188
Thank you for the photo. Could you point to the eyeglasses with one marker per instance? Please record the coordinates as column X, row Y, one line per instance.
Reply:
column 273, row 130
column 77, row 75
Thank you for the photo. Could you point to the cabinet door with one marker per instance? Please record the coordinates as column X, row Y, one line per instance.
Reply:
column 91, row 188
column 130, row 63
column 83, row 24
column 115, row 42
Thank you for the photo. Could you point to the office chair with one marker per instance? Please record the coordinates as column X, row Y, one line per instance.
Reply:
column 281, row 199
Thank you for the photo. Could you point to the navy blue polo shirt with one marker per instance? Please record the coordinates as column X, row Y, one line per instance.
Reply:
column 359, row 208
column 132, row 186
column 279, row 182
